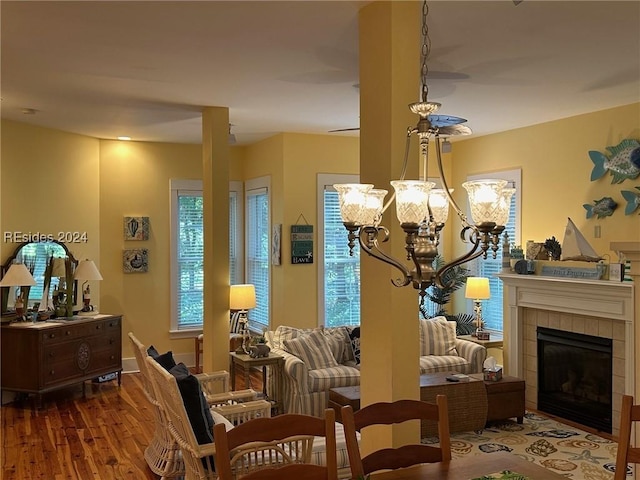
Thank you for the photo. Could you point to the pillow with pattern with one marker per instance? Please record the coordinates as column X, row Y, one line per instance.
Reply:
column 313, row 349
column 354, row 336
column 437, row 337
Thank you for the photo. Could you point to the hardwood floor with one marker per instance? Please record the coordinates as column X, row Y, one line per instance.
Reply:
column 99, row 437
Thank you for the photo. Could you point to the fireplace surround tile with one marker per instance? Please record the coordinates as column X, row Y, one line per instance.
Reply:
column 535, row 301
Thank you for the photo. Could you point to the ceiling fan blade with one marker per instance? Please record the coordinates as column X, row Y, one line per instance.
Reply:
column 344, row 130
column 454, row 130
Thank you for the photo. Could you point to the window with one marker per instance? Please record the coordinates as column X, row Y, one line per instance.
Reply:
column 338, row 272
column 236, row 247
column 489, row 267
column 187, row 250
column 257, row 236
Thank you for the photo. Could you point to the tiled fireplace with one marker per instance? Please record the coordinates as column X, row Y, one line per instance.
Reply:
column 598, row 308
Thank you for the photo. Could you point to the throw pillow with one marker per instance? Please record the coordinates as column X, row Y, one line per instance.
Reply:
column 355, row 344
column 194, row 403
column 336, row 339
column 219, row 418
column 438, row 337
column 164, row 359
column 313, row 349
column 283, row 333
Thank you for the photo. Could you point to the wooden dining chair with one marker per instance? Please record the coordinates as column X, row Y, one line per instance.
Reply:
column 388, row 413
column 277, row 448
column 626, row 453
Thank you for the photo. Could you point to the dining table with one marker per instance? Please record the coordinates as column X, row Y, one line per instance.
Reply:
column 471, row 467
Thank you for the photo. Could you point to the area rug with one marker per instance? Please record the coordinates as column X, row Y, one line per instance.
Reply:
column 563, row 449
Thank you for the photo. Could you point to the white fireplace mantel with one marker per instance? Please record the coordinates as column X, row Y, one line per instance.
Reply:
column 592, row 298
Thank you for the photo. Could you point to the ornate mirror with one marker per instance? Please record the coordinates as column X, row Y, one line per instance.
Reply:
column 35, row 256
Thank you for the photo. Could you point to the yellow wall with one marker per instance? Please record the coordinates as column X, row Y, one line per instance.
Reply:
column 293, row 162
column 50, row 185
column 57, row 181
column 134, row 178
column 556, row 171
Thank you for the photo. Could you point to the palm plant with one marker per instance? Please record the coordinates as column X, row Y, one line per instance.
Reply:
column 439, row 297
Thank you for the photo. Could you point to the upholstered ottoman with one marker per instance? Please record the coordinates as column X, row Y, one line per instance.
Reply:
column 505, row 397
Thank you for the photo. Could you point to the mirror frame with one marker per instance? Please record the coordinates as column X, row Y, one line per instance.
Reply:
column 10, row 260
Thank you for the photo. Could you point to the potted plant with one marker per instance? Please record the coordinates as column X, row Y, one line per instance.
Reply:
column 454, row 279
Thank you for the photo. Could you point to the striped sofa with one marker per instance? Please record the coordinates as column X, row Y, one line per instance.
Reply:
column 306, row 387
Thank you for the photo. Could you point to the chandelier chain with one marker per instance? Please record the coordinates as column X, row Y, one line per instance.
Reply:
column 424, row 54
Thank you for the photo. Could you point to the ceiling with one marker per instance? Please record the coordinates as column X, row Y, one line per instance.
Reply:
column 145, row 69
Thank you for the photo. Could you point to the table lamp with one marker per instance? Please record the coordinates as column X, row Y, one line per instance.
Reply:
column 87, row 271
column 18, row 276
column 478, row 289
column 243, row 297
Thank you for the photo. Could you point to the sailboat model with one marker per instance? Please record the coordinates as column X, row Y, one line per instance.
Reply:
column 576, row 247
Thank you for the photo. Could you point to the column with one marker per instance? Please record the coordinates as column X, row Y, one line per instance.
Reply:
column 215, row 187
column 389, row 75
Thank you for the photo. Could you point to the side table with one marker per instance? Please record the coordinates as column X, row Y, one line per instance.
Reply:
column 246, row 362
column 495, row 340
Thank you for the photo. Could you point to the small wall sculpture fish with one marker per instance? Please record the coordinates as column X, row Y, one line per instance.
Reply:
column 601, row 208
column 633, row 200
column 623, row 162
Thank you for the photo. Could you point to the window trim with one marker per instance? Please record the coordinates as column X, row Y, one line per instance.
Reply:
column 515, row 177
column 237, row 188
column 175, row 186
column 252, row 185
column 323, row 180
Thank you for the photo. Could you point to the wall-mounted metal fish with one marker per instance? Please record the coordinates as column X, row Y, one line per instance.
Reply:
column 623, row 162
column 633, row 200
column 601, row 208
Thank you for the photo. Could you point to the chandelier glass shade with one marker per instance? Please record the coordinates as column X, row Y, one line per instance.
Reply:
column 421, row 209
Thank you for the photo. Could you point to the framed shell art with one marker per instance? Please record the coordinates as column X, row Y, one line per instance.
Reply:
column 136, row 228
column 135, row 260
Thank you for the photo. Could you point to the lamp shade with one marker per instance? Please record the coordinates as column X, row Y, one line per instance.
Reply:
column 352, row 198
column 372, row 208
column 58, row 269
column 439, row 204
column 242, row 297
column 412, row 200
column 484, row 198
column 87, row 270
column 477, row 288
column 17, row 276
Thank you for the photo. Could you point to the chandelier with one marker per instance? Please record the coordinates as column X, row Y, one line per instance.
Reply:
column 421, row 209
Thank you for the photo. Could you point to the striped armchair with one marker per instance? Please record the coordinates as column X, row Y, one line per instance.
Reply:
column 306, row 388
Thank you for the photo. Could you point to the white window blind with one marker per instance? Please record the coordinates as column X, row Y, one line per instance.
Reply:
column 341, row 271
column 257, row 253
column 492, row 311
column 187, row 251
column 233, row 234
column 190, row 259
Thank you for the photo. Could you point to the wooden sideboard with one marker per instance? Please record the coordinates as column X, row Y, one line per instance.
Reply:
column 44, row 356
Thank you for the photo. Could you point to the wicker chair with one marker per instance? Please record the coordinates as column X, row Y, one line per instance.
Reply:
column 276, row 448
column 162, row 452
column 197, row 458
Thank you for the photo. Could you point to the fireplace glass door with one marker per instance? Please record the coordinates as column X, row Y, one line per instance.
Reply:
column 575, row 377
